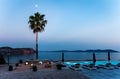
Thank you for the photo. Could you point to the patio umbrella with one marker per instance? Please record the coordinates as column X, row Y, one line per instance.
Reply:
column 94, row 58
column 108, row 56
column 62, row 57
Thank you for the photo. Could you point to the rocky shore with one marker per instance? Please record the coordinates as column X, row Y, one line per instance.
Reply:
column 16, row 51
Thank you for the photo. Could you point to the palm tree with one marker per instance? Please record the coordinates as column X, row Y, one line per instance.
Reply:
column 37, row 24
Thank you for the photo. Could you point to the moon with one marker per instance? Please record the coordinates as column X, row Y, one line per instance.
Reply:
column 36, row 5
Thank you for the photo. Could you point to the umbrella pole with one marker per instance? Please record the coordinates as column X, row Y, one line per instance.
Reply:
column 94, row 58
column 62, row 56
column 108, row 56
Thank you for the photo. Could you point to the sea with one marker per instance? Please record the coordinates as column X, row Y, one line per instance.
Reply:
column 68, row 56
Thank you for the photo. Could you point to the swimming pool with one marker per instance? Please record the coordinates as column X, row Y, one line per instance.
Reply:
column 89, row 62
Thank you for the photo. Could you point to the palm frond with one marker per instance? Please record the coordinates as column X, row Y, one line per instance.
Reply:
column 37, row 22
column 31, row 18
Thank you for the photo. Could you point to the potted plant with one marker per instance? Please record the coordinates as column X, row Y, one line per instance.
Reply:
column 20, row 61
column 34, row 68
column 59, row 66
column 17, row 64
column 10, row 68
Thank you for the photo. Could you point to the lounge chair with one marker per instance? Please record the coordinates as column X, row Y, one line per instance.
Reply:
column 90, row 67
column 117, row 66
column 76, row 67
column 108, row 66
column 100, row 66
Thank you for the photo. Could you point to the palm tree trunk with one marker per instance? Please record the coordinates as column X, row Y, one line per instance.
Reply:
column 36, row 45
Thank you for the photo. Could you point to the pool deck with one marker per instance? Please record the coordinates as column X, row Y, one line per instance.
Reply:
column 24, row 72
column 42, row 73
column 102, row 73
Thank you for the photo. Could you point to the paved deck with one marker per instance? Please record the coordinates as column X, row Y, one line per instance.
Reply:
column 49, row 73
column 24, row 72
column 102, row 73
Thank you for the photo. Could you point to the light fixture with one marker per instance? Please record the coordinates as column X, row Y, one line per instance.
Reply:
column 26, row 63
column 31, row 64
column 40, row 62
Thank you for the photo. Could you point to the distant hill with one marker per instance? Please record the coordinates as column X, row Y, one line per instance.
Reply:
column 16, row 51
column 97, row 50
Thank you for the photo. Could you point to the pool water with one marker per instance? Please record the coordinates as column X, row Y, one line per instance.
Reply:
column 89, row 62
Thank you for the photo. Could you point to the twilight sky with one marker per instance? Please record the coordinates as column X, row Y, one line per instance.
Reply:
column 72, row 24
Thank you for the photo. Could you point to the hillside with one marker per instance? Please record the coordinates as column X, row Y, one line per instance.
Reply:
column 16, row 51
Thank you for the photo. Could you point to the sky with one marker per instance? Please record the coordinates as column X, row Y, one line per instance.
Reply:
column 72, row 24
